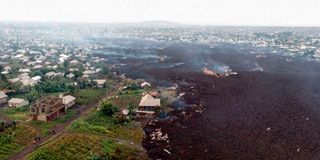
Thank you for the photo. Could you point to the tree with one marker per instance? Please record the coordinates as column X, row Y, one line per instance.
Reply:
column 130, row 107
column 65, row 64
column 77, row 74
column 33, row 95
column 3, row 81
column 108, row 109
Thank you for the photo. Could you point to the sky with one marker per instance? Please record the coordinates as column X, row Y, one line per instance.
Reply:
column 201, row 12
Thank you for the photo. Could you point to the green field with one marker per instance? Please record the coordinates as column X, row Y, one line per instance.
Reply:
column 17, row 114
column 45, row 127
column 82, row 146
column 13, row 140
column 98, row 123
column 86, row 96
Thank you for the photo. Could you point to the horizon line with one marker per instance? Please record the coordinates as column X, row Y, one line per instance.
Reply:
column 172, row 23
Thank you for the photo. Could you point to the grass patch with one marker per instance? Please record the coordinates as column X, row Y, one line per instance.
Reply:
column 21, row 113
column 98, row 123
column 12, row 140
column 81, row 146
column 45, row 127
column 124, row 100
column 86, row 96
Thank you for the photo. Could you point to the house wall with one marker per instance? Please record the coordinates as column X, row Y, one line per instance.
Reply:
column 70, row 104
column 42, row 117
column 24, row 103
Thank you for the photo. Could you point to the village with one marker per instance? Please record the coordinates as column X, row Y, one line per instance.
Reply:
column 48, row 95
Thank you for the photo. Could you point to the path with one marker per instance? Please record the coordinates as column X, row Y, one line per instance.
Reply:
column 59, row 129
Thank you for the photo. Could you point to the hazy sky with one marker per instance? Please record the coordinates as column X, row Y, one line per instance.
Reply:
column 215, row 12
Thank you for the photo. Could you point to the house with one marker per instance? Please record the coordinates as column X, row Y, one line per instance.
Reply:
column 37, row 66
column 13, row 80
column 147, row 106
column 70, row 76
column 100, row 82
column 7, row 68
column 88, row 72
column 68, row 101
column 3, row 98
column 4, row 72
column 36, row 78
column 74, row 62
column 53, row 74
column 17, row 102
column 48, row 108
column 145, row 84
column 25, row 70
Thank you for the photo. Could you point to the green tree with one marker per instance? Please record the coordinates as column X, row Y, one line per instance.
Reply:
column 77, row 74
column 108, row 109
column 33, row 95
column 65, row 64
column 3, row 81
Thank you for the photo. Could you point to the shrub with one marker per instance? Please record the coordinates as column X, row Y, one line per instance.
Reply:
column 108, row 109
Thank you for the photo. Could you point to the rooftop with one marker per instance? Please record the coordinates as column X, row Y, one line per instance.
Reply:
column 148, row 100
column 16, row 100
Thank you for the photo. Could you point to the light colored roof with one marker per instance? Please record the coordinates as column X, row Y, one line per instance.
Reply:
column 24, row 70
column 16, row 100
column 4, row 72
column 89, row 72
column 14, row 80
column 148, row 100
column 50, row 74
column 36, row 78
column 71, row 75
column 2, row 95
column 68, row 99
column 145, row 84
column 100, row 81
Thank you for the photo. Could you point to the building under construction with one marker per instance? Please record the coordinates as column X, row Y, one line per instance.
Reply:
column 47, row 109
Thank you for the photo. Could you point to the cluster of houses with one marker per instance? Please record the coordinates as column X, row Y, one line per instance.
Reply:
column 44, row 109
column 13, row 102
column 33, row 61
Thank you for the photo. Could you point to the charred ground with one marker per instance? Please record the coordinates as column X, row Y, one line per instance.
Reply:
column 269, row 114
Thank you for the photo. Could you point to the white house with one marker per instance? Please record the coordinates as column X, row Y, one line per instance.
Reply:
column 100, row 82
column 25, row 70
column 36, row 78
column 17, row 102
column 69, row 101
